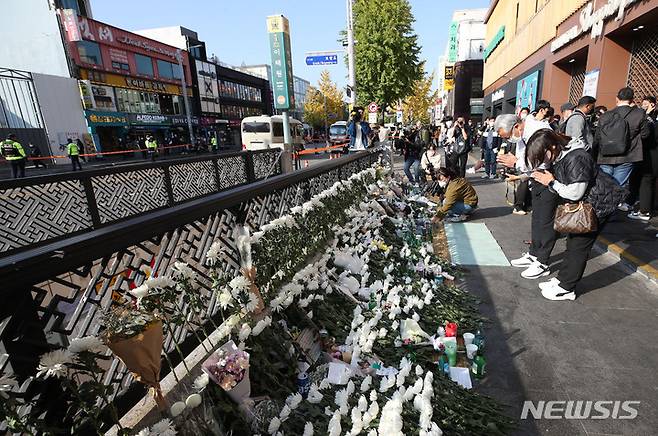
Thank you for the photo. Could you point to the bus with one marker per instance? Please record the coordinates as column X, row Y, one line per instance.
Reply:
column 264, row 132
column 338, row 133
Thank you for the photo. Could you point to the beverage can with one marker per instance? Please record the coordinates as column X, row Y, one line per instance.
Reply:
column 303, row 383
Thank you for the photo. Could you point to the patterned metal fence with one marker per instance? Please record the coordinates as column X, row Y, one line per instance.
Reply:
column 38, row 210
column 643, row 71
column 59, row 293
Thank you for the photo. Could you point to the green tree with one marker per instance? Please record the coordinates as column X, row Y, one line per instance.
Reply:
column 314, row 110
column 415, row 107
column 386, row 54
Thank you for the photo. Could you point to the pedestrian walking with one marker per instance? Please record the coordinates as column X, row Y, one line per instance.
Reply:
column 14, row 153
column 649, row 166
column 73, row 152
column 573, row 176
column 151, row 147
column 578, row 124
column 458, row 137
column 359, row 132
column 490, row 143
column 619, row 139
column 36, row 154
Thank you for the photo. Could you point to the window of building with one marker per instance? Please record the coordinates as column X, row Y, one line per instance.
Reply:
column 77, row 5
column 90, row 53
column 476, row 87
column 120, row 66
column 168, row 70
column 144, row 65
column 133, row 101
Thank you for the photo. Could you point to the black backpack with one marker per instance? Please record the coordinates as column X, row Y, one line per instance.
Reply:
column 614, row 134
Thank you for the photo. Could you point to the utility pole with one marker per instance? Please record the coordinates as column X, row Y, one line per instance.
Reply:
column 188, row 109
column 351, row 73
column 326, row 119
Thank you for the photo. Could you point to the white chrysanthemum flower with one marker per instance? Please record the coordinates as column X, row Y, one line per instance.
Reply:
column 362, row 404
column 163, row 428
column 252, row 304
column 144, row 432
column 261, row 325
column 214, row 253
column 365, row 384
column 239, row 283
column 308, row 429
column 245, row 331
column 201, row 381
column 275, row 423
column 334, row 428
column 88, row 343
column 183, row 270
column 54, row 364
column 140, row 291
column 225, row 299
column 284, row 413
column 294, row 400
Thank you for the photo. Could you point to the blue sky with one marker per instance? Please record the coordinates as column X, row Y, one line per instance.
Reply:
column 235, row 30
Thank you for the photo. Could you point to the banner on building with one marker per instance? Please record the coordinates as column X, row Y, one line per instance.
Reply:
column 449, row 78
column 453, row 41
column 526, row 92
column 591, row 84
column 282, row 79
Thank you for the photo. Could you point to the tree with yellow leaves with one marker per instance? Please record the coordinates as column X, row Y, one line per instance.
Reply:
column 314, row 108
column 415, row 107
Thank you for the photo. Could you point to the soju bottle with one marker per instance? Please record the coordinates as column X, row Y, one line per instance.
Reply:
column 373, row 301
column 478, row 368
column 443, row 365
column 479, row 339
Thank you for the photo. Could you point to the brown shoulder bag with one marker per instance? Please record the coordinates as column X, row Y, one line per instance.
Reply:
column 575, row 218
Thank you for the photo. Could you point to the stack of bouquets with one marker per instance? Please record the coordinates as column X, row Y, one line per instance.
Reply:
column 229, row 368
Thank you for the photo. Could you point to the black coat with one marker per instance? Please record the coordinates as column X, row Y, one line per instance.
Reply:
column 650, row 162
column 639, row 129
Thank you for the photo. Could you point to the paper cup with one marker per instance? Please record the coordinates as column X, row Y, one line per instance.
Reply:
column 468, row 338
column 471, row 350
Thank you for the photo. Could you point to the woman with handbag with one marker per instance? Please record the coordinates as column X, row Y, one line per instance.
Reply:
column 587, row 198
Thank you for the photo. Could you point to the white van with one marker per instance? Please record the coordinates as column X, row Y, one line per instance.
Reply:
column 263, row 132
column 338, row 133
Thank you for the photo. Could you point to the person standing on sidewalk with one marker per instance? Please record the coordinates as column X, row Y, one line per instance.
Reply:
column 458, row 136
column 151, row 147
column 578, row 125
column 573, row 177
column 649, row 167
column 544, row 202
column 411, row 151
column 14, row 153
column 36, row 153
column 74, row 154
column 490, row 144
column 619, row 139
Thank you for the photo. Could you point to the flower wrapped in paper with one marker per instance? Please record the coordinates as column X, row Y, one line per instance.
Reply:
column 228, row 367
column 136, row 338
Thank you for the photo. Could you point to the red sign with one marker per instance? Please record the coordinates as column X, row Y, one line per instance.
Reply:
column 373, row 108
column 119, row 55
column 70, row 20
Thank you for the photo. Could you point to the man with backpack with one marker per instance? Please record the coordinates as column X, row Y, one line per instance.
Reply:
column 459, row 137
column 619, row 139
column 578, row 125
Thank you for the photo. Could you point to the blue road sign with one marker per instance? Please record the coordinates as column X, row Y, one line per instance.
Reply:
column 328, row 59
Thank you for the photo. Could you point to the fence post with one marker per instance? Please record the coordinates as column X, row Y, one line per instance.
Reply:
column 168, row 186
column 91, row 202
column 249, row 166
column 215, row 167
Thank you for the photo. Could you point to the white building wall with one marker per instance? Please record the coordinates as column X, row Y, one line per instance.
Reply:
column 61, row 108
column 30, row 38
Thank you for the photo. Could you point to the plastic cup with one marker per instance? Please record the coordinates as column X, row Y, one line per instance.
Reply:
column 468, row 338
column 471, row 350
column 451, row 352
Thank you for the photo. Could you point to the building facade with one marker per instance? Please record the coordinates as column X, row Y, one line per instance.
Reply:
column 300, row 87
column 223, row 96
column 560, row 50
column 460, row 68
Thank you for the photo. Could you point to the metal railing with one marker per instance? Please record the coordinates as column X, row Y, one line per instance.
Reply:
column 60, row 290
column 42, row 209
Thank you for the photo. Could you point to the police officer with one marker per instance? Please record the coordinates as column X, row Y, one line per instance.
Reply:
column 74, row 154
column 14, row 153
column 151, row 146
column 213, row 143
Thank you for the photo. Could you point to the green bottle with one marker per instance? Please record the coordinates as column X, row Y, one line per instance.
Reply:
column 479, row 338
column 373, row 301
column 443, row 364
column 478, row 368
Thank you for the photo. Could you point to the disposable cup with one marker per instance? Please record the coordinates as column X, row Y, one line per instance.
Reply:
column 468, row 338
column 471, row 349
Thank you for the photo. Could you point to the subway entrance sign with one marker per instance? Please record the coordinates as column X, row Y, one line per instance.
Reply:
column 278, row 29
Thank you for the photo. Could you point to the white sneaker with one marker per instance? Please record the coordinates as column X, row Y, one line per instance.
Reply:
column 624, row 207
column 639, row 216
column 456, row 219
column 556, row 293
column 492, row 176
column 485, row 176
column 516, row 211
column 549, row 284
column 525, row 260
column 536, row 270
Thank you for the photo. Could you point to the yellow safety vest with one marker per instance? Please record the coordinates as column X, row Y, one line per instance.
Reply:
column 73, row 149
column 152, row 144
column 12, row 150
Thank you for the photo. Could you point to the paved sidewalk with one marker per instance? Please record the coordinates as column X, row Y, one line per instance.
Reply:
column 599, row 347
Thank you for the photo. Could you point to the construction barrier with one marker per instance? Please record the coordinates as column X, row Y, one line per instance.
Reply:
column 103, row 153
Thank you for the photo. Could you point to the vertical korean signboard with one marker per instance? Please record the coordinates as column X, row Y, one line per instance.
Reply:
column 453, row 42
column 282, row 81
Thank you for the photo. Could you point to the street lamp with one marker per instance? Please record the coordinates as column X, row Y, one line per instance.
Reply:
column 179, row 58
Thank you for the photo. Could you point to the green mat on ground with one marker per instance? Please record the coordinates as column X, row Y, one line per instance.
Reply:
column 473, row 244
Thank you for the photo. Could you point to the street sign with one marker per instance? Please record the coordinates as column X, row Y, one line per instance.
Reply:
column 372, row 118
column 398, row 117
column 373, row 108
column 282, row 79
column 324, row 59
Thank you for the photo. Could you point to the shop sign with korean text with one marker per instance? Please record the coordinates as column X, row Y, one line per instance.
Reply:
column 278, row 29
column 453, row 41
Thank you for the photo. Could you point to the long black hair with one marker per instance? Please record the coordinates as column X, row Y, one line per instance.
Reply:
column 542, row 141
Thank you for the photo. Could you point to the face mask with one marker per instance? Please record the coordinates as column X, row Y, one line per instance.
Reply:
column 514, row 139
column 443, row 183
